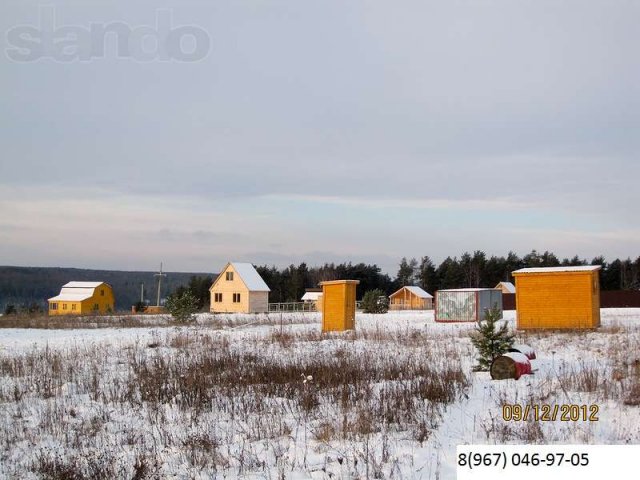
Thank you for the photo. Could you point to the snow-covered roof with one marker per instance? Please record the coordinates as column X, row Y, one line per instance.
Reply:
column 508, row 286
column 311, row 296
column 417, row 291
column 584, row 268
column 76, row 291
column 250, row 277
column 71, row 297
column 82, row 284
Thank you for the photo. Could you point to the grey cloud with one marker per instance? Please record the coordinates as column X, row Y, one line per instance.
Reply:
column 538, row 102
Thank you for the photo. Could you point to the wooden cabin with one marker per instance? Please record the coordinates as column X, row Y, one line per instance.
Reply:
column 410, row 298
column 558, row 297
column 313, row 295
column 239, row 289
column 506, row 287
column 338, row 305
column 81, row 298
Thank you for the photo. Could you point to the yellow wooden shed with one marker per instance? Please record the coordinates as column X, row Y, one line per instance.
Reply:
column 339, row 305
column 558, row 297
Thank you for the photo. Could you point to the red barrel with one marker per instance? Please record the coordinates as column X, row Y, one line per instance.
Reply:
column 510, row 365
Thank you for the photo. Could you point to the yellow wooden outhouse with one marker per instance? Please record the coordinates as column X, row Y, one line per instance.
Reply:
column 339, row 305
column 558, row 297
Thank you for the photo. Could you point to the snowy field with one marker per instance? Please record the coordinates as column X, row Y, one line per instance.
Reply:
column 270, row 397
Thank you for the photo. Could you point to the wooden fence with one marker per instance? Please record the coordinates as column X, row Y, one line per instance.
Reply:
column 299, row 306
column 293, row 307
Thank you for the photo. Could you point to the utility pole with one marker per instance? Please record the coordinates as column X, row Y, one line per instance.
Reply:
column 142, row 293
column 159, row 275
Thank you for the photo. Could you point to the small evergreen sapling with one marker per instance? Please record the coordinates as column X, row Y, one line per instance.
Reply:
column 490, row 340
column 182, row 305
column 375, row 301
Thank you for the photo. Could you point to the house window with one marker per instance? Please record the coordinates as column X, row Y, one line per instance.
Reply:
column 54, row 306
column 236, row 298
column 102, row 292
column 217, row 297
column 229, row 276
column 96, row 306
column 73, row 306
column 64, row 306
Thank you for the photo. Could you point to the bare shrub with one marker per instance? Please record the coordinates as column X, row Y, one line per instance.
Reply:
column 90, row 465
column 632, row 397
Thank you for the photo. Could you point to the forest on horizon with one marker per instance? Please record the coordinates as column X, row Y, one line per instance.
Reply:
column 27, row 287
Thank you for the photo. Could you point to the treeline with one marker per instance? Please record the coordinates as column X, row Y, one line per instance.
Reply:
column 477, row 270
column 289, row 284
column 469, row 270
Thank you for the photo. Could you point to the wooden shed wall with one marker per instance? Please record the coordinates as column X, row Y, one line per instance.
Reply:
column 258, row 302
column 338, row 306
column 558, row 300
column 407, row 300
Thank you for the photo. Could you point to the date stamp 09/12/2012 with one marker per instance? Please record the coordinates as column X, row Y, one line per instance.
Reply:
column 550, row 413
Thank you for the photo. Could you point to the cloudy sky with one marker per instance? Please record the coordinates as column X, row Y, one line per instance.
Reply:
column 318, row 130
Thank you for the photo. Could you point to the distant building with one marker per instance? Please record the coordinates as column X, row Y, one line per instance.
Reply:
column 410, row 298
column 506, row 287
column 313, row 295
column 78, row 298
column 239, row 288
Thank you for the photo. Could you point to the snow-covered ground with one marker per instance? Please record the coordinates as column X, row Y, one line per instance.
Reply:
column 119, row 402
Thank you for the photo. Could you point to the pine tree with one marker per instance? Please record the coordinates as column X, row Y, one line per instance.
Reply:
column 489, row 340
column 182, row 306
column 375, row 301
column 406, row 271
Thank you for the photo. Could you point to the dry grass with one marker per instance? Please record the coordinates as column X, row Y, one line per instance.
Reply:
column 43, row 321
column 131, row 320
column 199, row 394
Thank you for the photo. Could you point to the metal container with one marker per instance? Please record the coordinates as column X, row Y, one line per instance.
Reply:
column 466, row 304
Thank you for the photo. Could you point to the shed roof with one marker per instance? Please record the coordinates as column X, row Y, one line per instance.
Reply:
column 508, row 286
column 311, row 296
column 76, row 291
column 250, row 277
column 339, row 282
column 71, row 297
column 82, row 284
column 583, row 268
column 417, row 291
